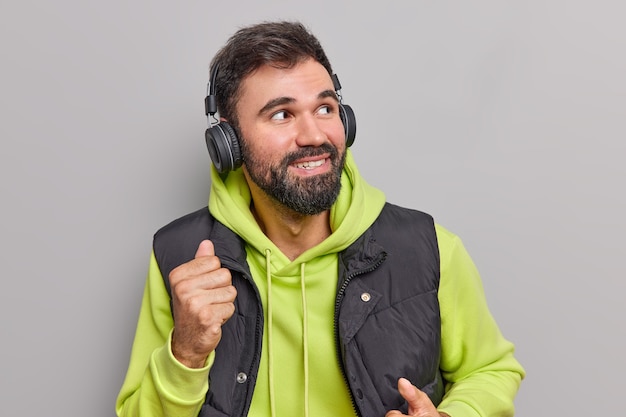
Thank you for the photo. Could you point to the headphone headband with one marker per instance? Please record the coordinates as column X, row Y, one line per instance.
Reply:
column 210, row 102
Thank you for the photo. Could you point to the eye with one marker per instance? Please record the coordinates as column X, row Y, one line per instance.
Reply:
column 325, row 110
column 279, row 115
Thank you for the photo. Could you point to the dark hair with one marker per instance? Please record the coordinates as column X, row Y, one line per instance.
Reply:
column 280, row 44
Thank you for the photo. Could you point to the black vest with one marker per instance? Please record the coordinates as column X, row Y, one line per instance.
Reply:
column 395, row 333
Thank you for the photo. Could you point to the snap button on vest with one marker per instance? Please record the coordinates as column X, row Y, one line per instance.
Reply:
column 359, row 394
column 242, row 377
column 366, row 297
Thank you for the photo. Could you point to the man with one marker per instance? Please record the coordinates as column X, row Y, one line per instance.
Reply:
column 301, row 291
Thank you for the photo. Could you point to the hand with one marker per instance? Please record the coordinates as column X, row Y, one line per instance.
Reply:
column 419, row 403
column 203, row 300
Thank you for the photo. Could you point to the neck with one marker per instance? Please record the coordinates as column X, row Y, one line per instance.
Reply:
column 293, row 233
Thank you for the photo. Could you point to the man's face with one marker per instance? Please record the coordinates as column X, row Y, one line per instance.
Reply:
column 292, row 139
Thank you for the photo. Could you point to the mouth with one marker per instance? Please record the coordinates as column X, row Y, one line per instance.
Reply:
column 311, row 161
column 309, row 165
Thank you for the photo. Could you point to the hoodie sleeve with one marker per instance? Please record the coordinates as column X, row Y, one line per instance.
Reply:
column 477, row 362
column 156, row 383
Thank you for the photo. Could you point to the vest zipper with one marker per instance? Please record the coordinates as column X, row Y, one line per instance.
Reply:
column 339, row 298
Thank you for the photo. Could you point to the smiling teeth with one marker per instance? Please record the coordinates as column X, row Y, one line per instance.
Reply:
column 310, row 164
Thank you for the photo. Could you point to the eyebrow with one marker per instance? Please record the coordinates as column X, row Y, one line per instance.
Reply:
column 281, row 101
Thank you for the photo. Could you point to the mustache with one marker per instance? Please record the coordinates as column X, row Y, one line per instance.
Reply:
column 311, row 152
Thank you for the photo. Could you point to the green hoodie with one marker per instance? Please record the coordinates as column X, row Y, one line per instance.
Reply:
column 299, row 373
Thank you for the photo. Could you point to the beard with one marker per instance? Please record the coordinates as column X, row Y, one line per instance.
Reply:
column 304, row 195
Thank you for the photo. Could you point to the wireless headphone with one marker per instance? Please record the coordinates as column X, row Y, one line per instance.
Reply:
column 222, row 140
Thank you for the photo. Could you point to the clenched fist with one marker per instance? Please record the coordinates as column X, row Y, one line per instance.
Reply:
column 203, row 300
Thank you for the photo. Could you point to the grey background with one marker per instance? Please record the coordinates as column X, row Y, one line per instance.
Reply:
column 505, row 120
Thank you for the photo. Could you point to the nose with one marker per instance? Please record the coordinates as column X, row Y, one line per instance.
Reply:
column 310, row 132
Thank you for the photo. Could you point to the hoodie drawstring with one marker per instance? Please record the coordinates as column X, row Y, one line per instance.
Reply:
column 305, row 336
column 305, row 341
column 270, row 350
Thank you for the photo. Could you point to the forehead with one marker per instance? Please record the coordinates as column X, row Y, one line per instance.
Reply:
column 303, row 81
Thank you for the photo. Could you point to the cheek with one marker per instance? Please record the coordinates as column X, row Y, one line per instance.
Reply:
column 337, row 136
column 261, row 151
column 268, row 144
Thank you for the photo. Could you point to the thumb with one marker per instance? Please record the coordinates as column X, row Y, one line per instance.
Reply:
column 418, row 401
column 205, row 248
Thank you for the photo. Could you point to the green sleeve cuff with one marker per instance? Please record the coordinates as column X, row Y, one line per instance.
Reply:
column 458, row 409
column 176, row 381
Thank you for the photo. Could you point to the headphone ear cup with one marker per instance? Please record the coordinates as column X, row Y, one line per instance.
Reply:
column 223, row 146
column 349, row 123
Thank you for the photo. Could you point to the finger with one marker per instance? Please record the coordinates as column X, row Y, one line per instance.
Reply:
column 200, row 300
column 419, row 403
column 408, row 391
column 201, row 273
column 197, row 297
column 205, row 248
column 224, row 312
column 204, row 261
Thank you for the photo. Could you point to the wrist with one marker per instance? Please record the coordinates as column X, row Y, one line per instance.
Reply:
column 193, row 361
